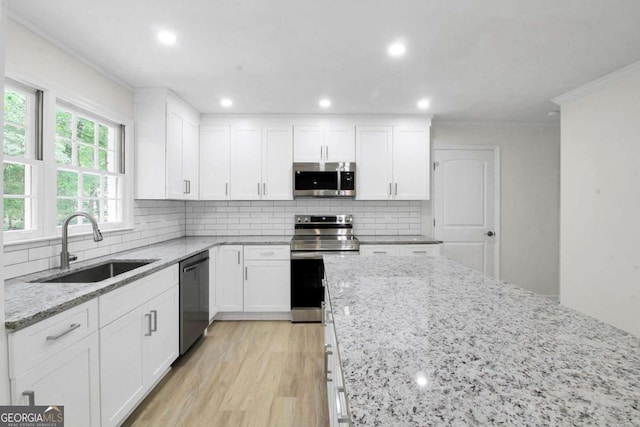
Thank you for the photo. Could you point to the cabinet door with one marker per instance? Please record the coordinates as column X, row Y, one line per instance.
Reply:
column 190, row 158
column 373, row 159
column 163, row 344
column 70, row 378
column 246, row 163
column 213, row 307
column 176, row 187
column 340, row 144
column 411, row 163
column 229, row 277
column 308, row 144
column 267, row 286
column 214, row 162
column 122, row 374
column 277, row 163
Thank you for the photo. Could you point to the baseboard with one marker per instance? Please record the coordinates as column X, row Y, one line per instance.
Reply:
column 239, row 315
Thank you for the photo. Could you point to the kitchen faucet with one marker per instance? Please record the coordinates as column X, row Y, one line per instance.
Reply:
column 65, row 257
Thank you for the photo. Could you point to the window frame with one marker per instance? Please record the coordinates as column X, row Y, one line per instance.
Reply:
column 45, row 182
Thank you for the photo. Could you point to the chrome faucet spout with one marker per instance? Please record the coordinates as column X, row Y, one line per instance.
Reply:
column 65, row 257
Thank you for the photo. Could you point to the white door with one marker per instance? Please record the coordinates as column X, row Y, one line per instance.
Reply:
column 340, row 144
column 190, row 158
column 374, row 162
column 246, row 163
column 411, row 163
column 308, row 144
column 176, row 186
column 464, row 206
column 163, row 343
column 267, row 286
column 70, row 378
column 277, row 163
column 229, row 278
column 214, row 162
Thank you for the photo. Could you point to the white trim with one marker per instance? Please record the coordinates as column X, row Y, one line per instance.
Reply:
column 319, row 119
column 497, row 165
column 596, row 85
column 240, row 315
column 56, row 238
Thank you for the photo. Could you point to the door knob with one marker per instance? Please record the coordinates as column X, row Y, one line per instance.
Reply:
column 490, row 233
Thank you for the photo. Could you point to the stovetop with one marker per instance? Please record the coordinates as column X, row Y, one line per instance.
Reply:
column 324, row 233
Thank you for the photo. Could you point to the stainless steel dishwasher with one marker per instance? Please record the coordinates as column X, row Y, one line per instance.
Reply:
column 194, row 299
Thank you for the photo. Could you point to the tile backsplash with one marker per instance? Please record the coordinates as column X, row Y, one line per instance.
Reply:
column 225, row 218
column 154, row 221
column 159, row 220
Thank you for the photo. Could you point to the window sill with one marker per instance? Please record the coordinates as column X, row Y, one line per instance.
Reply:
column 58, row 237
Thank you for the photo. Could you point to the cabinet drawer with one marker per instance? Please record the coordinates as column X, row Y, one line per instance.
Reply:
column 368, row 250
column 428, row 250
column 267, row 252
column 34, row 344
column 121, row 301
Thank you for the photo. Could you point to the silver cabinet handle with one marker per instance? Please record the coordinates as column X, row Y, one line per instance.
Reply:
column 321, row 152
column 31, row 395
column 246, row 273
column 154, row 313
column 390, row 192
column 71, row 327
column 186, row 191
column 188, row 186
column 343, row 417
column 238, row 257
column 258, row 189
column 194, row 266
column 267, row 253
column 226, row 188
column 323, row 313
column 327, row 353
column 379, row 252
column 264, row 188
column 396, row 188
column 419, row 252
column 326, row 152
column 148, row 316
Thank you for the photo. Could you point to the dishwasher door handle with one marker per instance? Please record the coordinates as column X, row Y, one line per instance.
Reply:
column 193, row 266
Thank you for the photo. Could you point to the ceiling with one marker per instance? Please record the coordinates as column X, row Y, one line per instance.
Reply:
column 475, row 60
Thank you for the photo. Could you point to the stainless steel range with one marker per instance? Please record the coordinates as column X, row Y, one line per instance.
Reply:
column 314, row 236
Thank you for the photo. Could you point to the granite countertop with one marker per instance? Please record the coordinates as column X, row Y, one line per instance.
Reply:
column 427, row 341
column 28, row 301
column 396, row 240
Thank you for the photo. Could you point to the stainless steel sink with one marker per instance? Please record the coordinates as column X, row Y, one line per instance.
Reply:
column 99, row 272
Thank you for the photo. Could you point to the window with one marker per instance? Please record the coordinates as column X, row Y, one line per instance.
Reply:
column 88, row 172
column 22, row 113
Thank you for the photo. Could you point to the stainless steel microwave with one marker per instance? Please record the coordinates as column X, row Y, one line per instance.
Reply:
column 324, row 180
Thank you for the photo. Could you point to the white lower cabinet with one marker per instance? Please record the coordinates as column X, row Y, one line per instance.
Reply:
column 213, row 301
column 137, row 348
column 68, row 373
column 253, row 279
column 401, row 250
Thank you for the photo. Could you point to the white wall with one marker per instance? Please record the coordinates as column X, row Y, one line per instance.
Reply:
column 38, row 60
column 530, row 185
column 4, row 367
column 600, row 205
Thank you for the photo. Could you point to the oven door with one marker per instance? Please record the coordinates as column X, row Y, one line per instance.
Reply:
column 307, row 290
column 315, row 183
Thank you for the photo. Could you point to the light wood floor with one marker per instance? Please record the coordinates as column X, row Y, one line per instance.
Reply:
column 243, row 374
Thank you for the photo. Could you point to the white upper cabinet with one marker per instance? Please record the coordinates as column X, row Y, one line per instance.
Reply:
column 324, row 144
column 392, row 162
column 166, row 148
column 261, row 163
column 215, row 146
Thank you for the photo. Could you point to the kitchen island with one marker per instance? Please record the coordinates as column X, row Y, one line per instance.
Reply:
column 427, row 341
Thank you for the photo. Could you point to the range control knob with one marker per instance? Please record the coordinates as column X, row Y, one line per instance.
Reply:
column 349, row 218
column 340, row 219
column 299, row 219
column 306, row 219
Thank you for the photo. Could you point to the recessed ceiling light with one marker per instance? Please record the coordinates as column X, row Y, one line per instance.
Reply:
column 325, row 103
column 423, row 104
column 397, row 49
column 226, row 102
column 167, row 37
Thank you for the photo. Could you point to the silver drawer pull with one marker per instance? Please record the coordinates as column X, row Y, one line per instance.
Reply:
column 154, row 313
column 419, row 252
column 379, row 252
column 150, row 328
column 72, row 327
column 343, row 411
column 267, row 253
column 31, row 395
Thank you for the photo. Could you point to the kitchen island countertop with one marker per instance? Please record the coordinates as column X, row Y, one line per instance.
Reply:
column 28, row 301
column 427, row 341
column 382, row 239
